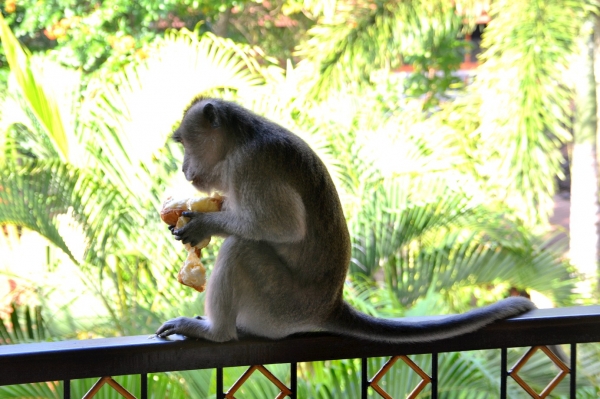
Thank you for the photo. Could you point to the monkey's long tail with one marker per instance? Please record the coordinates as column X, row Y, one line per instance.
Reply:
column 349, row 321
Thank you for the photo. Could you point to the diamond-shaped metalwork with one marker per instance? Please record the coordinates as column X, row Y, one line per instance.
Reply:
column 284, row 390
column 426, row 379
column 564, row 370
column 114, row 384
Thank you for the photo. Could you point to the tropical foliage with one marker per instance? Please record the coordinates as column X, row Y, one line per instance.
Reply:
column 362, row 37
column 98, row 35
column 446, row 187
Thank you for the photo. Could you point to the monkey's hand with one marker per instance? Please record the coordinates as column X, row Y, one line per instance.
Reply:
column 190, row 327
column 195, row 231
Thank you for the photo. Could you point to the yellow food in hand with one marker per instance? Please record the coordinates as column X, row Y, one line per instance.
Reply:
column 193, row 273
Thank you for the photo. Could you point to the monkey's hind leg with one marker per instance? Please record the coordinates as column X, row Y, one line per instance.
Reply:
column 247, row 291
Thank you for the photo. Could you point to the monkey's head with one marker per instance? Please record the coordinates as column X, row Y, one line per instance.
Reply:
column 205, row 144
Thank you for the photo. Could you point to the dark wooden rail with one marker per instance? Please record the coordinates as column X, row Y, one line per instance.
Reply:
column 67, row 360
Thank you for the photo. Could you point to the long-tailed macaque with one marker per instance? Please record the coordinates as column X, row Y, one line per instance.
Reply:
column 282, row 266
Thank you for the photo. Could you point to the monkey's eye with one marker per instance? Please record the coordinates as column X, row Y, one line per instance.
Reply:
column 176, row 136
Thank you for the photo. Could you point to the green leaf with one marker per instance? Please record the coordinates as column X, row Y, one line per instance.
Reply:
column 22, row 327
column 42, row 103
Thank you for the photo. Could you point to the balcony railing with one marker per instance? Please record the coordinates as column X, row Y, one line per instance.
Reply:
column 140, row 355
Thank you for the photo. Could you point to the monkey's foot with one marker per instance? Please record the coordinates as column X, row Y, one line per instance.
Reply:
column 197, row 327
column 191, row 328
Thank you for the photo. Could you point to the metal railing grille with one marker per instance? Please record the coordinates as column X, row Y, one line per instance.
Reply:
column 69, row 360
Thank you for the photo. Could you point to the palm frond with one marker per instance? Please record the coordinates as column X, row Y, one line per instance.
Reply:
column 345, row 48
column 428, row 235
column 525, row 98
column 115, row 216
column 36, row 89
column 367, row 296
column 24, row 325
column 143, row 102
column 463, row 376
column 97, row 225
column 197, row 383
column 47, row 390
column 589, row 376
column 363, row 37
column 32, row 195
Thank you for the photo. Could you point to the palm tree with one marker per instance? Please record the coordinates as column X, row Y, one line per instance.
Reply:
column 361, row 37
column 90, row 185
column 520, row 89
column 596, row 66
column 93, row 178
column 428, row 225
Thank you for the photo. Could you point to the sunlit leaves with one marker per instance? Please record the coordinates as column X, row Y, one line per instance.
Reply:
column 143, row 102
column 525, row 98
column 362, row 37
column 440, row 237
column 43, row 102
column 422, row 220
column 35, row 194
column 109, row 208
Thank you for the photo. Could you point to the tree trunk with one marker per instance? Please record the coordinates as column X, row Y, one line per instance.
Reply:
column 221, row 27
column 584, row 172
column 596, row 61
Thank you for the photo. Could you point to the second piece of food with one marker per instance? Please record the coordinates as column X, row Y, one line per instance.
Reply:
column 193, row 273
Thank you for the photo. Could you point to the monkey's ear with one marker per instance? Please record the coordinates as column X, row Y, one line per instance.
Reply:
column 211, row 115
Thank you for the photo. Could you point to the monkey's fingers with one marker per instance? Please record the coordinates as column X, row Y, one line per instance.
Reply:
column 186, row 237
column 190, row 214
column 190, row 327
column 170, row 327
column 180, row 233
column 165, row 330
column 177, row 234
column 181, row 236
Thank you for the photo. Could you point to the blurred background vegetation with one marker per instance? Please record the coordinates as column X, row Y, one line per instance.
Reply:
column 453, row 129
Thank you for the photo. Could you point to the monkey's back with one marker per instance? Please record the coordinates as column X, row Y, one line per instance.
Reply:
column 323, row 255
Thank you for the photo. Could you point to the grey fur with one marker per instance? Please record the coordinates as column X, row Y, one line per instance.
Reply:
column 284, row 260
